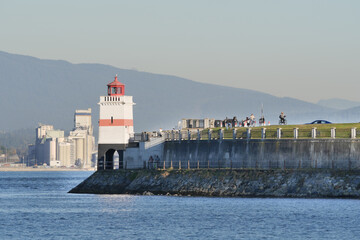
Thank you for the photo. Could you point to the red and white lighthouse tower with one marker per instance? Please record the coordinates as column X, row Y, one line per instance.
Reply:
column 116, row 124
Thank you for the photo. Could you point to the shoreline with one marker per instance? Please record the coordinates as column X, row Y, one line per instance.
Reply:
column 310, row 183
column 30, row 169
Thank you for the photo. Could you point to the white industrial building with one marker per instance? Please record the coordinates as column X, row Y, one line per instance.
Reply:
column 52, row 148
column 45, row 145
column 82, row 139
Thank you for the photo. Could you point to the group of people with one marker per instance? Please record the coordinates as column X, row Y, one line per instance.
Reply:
column 153, row 162
column 250, row 121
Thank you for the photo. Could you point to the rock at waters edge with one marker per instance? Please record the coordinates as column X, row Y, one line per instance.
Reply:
column 225, row 183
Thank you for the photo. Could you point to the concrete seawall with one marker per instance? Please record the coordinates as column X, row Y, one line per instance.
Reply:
column 226, row 183
column 342, row 154
column 323, row 168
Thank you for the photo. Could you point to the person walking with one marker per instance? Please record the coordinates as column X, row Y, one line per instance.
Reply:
column 252, row 120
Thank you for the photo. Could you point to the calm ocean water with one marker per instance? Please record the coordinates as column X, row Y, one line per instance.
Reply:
column 36, row 205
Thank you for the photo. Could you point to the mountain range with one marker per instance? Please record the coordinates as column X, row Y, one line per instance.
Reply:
column 36, row 91
column 337, row 103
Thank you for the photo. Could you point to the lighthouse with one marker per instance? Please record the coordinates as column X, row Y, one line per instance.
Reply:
column 116, row 124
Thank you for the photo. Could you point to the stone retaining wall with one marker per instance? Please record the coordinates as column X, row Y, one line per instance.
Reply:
column 343, row 154
column 226, row 183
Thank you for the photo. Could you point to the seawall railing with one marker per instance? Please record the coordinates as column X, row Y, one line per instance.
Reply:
column 261, row 133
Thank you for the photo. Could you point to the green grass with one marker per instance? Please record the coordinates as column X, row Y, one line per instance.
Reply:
column 343, row 130
column 323, row 131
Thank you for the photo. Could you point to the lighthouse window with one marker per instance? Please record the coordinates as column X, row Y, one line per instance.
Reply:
column 112, row 120
column 114, row 90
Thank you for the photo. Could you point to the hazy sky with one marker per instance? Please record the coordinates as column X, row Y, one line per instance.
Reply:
column 304, row 49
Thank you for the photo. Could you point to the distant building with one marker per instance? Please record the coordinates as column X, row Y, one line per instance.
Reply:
column 52, row 148
column 42, row 130
column 13, row 158
column 66, row 154
column 187, row 123
column 82, row 118
column 10, row 159
column 45, row 144
column 31, row 155
column 83, row 139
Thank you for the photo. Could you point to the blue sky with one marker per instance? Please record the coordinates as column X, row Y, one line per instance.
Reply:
column 305, row 49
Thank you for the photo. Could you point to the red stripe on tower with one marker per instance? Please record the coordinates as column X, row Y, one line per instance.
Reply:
column 115, row 122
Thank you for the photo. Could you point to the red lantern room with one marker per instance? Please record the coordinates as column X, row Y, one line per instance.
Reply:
column 116, row 88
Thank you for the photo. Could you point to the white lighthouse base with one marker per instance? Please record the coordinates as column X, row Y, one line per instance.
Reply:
column 134, row 155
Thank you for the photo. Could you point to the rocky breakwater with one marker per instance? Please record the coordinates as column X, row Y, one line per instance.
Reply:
column 226, row 183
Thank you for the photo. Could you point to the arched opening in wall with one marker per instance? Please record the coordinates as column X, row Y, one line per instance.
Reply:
column 116, row 160
column 109, row 159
